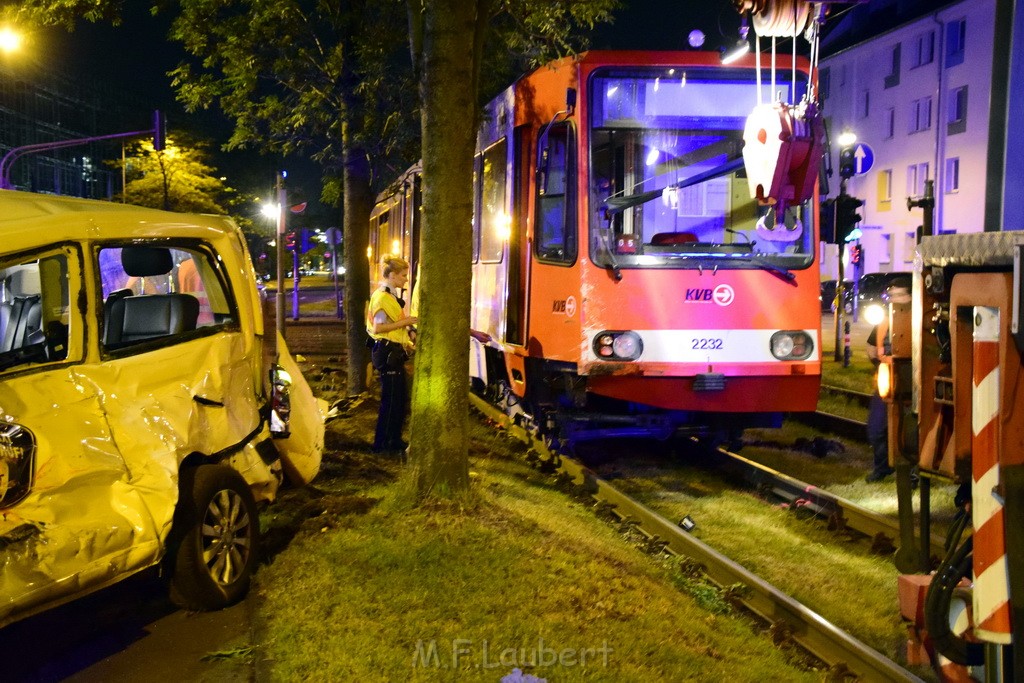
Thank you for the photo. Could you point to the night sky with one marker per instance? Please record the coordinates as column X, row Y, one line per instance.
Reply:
column 136, row 57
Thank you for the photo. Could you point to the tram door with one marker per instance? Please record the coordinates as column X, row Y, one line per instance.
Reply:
column 516, row 289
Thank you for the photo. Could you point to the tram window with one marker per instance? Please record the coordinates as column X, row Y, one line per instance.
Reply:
column 555, row 236
column 476, row 207
column 495, row 220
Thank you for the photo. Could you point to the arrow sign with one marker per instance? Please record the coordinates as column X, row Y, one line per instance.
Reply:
column 864, row 159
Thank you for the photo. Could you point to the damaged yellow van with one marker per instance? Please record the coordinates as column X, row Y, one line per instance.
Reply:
column 143, row 414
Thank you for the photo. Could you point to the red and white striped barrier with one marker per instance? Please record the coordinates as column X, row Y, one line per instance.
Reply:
column 991, row 578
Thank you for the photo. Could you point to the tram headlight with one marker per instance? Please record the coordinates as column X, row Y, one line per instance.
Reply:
column 874, row 314
column 612, row 345
column 791, row 345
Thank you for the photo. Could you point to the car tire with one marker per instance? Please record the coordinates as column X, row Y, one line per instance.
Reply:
column 215, row 552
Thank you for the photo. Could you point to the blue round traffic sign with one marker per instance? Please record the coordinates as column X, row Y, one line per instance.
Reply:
column 863, row 158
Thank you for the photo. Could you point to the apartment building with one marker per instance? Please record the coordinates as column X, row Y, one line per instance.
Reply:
column 922, row 95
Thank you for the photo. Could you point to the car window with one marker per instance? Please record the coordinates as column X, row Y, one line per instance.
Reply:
column 154, row 292
column 34, row 313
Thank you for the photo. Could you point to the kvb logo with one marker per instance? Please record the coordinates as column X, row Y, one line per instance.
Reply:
column 566, row 306
column 722, row 295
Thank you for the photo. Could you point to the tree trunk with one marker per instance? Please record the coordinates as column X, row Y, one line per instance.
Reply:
column 358, row 203
column 440, row 405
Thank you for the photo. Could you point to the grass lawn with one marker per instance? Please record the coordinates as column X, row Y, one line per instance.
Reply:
column 521, row 576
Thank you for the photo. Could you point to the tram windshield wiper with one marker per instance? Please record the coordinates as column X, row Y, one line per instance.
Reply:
column 780, row 271
column 616, row 205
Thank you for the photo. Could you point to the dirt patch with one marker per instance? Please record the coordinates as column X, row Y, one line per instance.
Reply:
column 348, row 467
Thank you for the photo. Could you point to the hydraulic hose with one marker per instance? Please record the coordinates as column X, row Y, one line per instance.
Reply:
column 956, row 565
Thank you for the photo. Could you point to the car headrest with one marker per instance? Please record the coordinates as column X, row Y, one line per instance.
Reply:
column 146, row 261
column 25, row 282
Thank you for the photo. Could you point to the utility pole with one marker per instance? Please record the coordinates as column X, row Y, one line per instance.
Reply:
column 840, row 293
column 281, row 217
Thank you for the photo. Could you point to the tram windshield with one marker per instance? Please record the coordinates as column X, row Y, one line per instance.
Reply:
column 667, row 183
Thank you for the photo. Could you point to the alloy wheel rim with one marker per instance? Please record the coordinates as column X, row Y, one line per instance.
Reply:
column 225, row 537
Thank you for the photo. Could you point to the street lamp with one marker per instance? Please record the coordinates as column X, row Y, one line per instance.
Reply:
column 271, row 210
column 10, row 40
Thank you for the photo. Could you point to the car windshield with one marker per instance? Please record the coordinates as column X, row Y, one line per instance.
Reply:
column 667, row 183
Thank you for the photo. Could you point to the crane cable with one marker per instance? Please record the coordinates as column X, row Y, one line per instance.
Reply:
column 783, row 19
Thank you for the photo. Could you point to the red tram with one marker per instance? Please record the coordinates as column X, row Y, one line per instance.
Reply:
column 624, row 280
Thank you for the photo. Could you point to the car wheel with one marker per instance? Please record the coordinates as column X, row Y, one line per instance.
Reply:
column 218, row 532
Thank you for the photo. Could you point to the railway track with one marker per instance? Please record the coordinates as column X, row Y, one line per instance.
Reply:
column 837, row 424
column 842, row 652
column 840, row 514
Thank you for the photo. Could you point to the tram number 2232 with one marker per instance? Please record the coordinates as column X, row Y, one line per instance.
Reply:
column 706, row 344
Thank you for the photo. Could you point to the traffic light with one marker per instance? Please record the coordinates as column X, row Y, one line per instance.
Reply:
column 307, row 240
column 847, row 216
column 847, row 162
column 289, row 240
column 827, row 221
column 856, row 253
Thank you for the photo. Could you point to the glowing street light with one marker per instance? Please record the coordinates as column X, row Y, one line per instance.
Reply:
column 10, row 40
column 271, row 210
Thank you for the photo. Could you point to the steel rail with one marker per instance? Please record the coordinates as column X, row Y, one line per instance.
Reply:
column 841, row 513
column 833, row 424
column 840, row 650
column 860, row 397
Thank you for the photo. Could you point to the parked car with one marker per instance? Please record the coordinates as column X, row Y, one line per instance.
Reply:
column 828, row 296
column 871, row 287
column 146, row 408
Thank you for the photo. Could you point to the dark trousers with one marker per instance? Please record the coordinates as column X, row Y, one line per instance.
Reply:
column 878, row 432
column 393, row 399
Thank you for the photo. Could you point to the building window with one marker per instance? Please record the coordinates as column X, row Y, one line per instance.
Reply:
column 885, row 190
column 890, row 123
column 865, row 104
column 893, row 78
column 909, row 245
column 917, row 174
column 957, row 122
column 824, row 76
column 923, row 50
column 956, row 41
column 920, row 115
column 885, row 249
column 952, row 180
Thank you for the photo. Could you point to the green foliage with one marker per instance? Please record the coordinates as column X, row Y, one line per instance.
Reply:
column 177, row 179
column 528, row 33
column 289, row 73
column 60, row 12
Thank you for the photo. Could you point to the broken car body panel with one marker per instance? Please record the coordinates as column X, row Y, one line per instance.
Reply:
column 131, row 346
